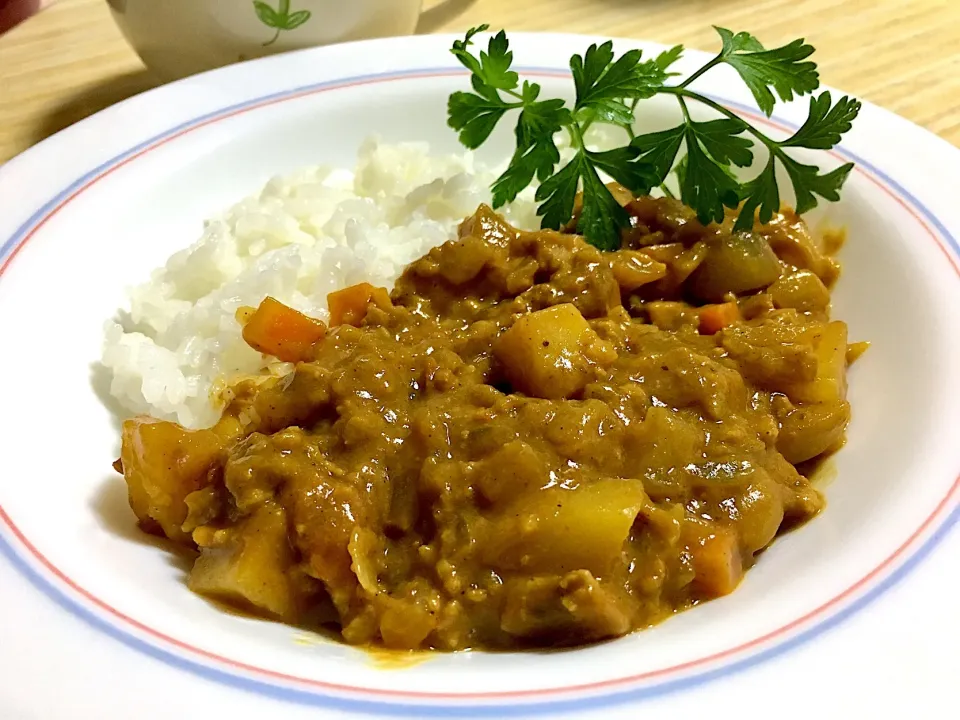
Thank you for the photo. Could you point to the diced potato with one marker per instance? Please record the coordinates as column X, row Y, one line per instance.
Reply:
column 486, row 224
column 668, row 254
column 248, row 564
column 671, row 315
column 759, row 513
column 645, row 449
column 715, row 555
column 633, row 269
column 163, row 463
column 855, row 350
column 735, row 264
column 464, row 259
column 753, row 306
column 748, row 496
column 830, row 383
column 794, row 244
column 548, row 353
column 809, row 430
column 559, row 531
column 406, row 623
column 774, row 353
column 512, row 470
column 802, row 290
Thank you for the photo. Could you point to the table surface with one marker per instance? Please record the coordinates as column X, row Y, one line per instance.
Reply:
column 70, row 60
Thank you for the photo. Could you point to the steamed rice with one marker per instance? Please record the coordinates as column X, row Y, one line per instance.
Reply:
column 303, row 236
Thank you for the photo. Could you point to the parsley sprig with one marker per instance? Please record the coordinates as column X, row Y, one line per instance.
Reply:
column 703, row 155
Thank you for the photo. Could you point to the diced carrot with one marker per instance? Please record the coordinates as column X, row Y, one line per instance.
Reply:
column 283, row 332
column 349, row 306
column 714, row 318
column 717, row 563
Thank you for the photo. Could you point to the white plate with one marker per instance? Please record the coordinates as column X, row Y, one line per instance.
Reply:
column 96, row 620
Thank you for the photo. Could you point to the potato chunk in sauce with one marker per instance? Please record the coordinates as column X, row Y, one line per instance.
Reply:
column 530, row 443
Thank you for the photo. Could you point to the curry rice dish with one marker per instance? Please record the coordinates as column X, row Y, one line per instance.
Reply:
column 528, row 442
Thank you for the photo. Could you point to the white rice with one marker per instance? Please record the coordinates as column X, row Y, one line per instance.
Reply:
column 303, row 236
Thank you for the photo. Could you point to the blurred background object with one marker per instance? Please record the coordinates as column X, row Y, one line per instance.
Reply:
column 70, row 60
column 13, row 12
column 176, row 38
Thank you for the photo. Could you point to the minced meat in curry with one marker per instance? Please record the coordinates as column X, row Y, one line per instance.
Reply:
column 529, row 442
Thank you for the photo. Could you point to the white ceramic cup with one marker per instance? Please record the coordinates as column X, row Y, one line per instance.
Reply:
column 176, row 38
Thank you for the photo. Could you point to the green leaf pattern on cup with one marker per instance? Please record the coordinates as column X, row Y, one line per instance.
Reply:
column 279, row 18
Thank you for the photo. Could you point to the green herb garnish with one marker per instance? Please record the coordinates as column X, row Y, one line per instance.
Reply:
column 608, row 90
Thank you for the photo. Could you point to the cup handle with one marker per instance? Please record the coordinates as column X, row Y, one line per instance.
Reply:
column 437, row 13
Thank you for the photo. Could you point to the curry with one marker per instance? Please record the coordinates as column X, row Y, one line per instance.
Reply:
column 529, row 442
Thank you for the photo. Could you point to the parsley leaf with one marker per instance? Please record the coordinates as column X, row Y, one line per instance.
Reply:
column 462, row 53
column 737, row 42
column 588, row 69
column 558, row 194
column 782, row 69
column 668, row 57
column 825, row 123
column 474, row 117
column 722, row 140
column 536, row 160
column 599, row 78
column 708, row 185
column 543, row 118
column 761, row 192
column 708, row 156
column 495, row 64
column 659, row 151
column 604, row 85
column 621, row 164
column 536, row 153
column 808, row 182
column 602, row 217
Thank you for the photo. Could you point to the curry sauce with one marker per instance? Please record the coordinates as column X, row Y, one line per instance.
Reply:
column 530, row 442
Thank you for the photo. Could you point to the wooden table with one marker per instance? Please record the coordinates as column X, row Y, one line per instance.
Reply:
column 70, row 61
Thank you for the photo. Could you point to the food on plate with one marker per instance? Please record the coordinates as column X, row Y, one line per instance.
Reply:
column 528, row 442
column 539, row 436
